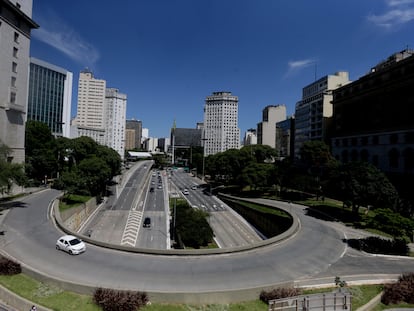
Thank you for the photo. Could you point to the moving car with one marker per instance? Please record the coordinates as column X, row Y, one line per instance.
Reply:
column 70, row 244
column 147, row 222
column 186, row 192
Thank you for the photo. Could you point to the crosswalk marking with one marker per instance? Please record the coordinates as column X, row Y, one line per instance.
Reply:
column 129, row 237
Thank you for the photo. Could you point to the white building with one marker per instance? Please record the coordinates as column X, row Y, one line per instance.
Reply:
column 266, row 130
column 15, row 28
column 151, row 144
column 221, row 131
column 101, row 112
column 250, row 137
column 145, row 135
column 312, row 112
column 91, row 101
column 115, row 120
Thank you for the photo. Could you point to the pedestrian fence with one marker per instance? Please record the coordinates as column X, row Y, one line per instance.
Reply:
column 335, row 301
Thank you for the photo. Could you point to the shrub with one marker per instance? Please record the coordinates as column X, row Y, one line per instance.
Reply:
column 378, row 245
column 402, row 291
column 277, row 293
column 9, row 267
column 115, row 300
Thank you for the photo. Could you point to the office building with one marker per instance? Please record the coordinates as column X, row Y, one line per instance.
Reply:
column 314, row 112
column 221, row 130
column 50, row 96
column 15, row 29
column 285, row 138
column 372, row 117
column 115, row 103
column 250, row 137
column 129, row 139
column 101, row 112
column 266, row 130
column 135, row 126
column 91, row 101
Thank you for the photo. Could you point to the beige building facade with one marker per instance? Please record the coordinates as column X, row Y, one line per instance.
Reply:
column 15, row 31
column 266, row 130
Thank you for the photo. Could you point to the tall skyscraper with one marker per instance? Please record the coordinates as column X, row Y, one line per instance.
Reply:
column 15, row 28
column 136, row 127
column 266, row 130
column 101, row 112
column 50, row 96
column 221, row 130
column 313, row 112
column 91, row 101
column 115, row 103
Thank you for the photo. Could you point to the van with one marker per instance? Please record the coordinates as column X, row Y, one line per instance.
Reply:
column 147, row 222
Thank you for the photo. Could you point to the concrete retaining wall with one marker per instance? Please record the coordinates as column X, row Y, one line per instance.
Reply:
column 73, row 218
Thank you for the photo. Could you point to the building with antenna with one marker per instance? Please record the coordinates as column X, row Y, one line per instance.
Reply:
column 313, row 113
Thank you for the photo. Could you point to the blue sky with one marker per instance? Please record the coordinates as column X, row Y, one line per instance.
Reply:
column 168, row 55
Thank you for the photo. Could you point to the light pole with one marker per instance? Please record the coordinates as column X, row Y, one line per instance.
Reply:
column 204, row 157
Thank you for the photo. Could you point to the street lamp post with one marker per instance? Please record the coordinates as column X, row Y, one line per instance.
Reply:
column 204, row 157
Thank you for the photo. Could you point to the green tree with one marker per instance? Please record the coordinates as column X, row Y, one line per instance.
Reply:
column 316, row 161
column 9, row 172
column 41, row 160
column 95, row 173
column 362, row 184
column 192, row 226
column 256, row 175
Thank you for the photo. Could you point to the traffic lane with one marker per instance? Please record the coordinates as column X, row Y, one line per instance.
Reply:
column 108, row 226
column 230, row 229
column 233, row 231
column 154, row 237
column 128, row 196
column 313, row 250
column 191, row 274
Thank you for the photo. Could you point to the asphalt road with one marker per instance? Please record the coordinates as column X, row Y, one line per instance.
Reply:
column 230, row 229
column 119, row 218
column 316, row 252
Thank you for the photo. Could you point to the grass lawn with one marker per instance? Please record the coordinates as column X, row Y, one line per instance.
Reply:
column 72, row 200
column 60, row 300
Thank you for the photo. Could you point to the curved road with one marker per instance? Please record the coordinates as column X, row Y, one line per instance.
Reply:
column 316, row 251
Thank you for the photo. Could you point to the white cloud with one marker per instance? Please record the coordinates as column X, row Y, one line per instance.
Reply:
column 399, row 2
column 58, row 35
column 400, row 12
column 298, row 65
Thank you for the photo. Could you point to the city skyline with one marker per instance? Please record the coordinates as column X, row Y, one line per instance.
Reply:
column 167, row 57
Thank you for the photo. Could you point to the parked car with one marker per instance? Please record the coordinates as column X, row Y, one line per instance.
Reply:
column 70, row 244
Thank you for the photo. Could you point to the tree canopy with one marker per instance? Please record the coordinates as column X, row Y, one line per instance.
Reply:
column 362, row 184
column 78, row 165
column 9, row 172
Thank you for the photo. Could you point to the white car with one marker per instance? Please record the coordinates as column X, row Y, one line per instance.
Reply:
column 70, row 244
column 186, row 192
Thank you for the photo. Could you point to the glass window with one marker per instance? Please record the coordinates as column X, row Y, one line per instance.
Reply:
column 12, row 97
column 14, row 67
